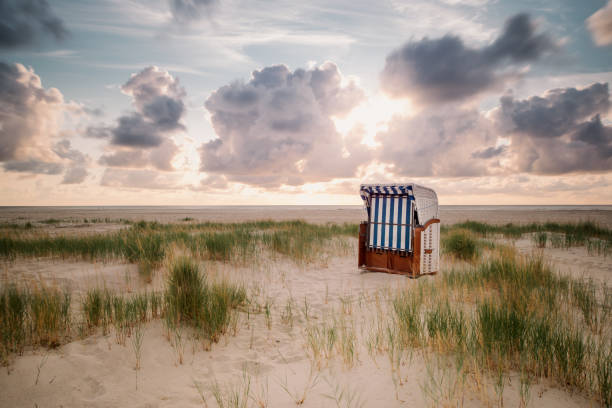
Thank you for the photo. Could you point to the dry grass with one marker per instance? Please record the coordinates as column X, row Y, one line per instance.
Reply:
column 500, row 315
column 516, row 315
column 149, row 243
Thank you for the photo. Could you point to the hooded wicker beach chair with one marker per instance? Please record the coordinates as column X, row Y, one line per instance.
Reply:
column 402, row 231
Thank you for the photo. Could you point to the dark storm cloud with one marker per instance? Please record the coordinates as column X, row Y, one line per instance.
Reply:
column 25, row 22
column 600, row 25
column 559, row 132
column 445, row 69
column 188, row 10
column 277, row 128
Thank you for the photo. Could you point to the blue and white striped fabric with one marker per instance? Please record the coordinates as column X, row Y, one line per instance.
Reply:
column 366, row 191
column 391, row 219
column 391, row 209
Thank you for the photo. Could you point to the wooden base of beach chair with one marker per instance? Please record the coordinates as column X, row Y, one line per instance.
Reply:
column 397, row 262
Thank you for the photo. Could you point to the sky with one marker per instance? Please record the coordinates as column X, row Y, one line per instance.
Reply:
column 248, row 102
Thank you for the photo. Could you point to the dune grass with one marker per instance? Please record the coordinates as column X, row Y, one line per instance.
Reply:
column 130, row 245
column 560, row 235
column 596, row 246
column 38, row 317
column 596, row 239
column 461, row 244
column 51, row 221
column 333, row 337
column 147, row 243
column 206, row 306
column 513, row 313
column 43, row 316
column 540, row 238
column 579, row 230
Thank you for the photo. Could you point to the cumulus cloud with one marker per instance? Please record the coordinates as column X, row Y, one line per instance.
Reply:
column 555, row 113
column 600, row 25
column 30, row 118
column 184, row 11
column 28, row 113
column 559, row 132
column 25, row 22
column 142, row 138
column 134, row 130
column 158, row 99
column 439, row 143
column 556, row 133
column 277, row 128
column 445, row 69
column 161, row 158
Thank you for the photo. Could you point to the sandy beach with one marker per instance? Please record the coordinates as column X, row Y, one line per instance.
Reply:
column 269, row 356
column 318, row 214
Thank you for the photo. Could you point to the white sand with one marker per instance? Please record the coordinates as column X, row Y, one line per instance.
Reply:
column 97, row 372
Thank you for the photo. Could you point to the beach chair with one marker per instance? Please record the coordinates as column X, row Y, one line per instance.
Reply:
column 402, row 231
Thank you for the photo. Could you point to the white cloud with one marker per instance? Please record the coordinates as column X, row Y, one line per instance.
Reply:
column 600, row 25
column 277, row 128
